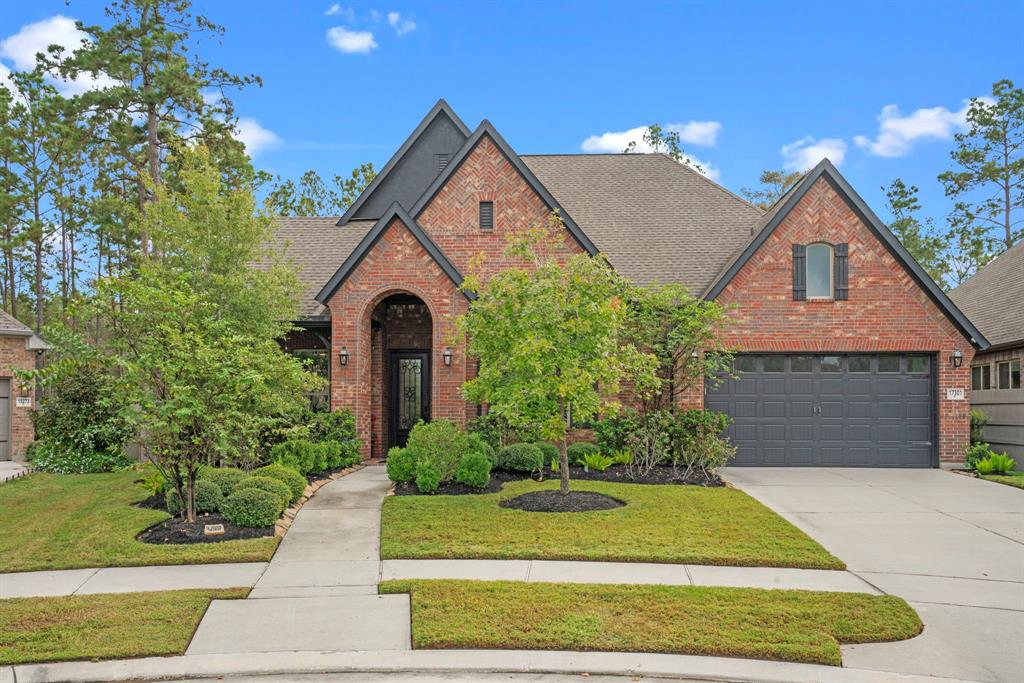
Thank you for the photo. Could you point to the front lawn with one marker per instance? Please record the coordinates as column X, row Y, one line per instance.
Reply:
column 68, row 521
column 1010, row 479
column 103, row 626
column 788, row 625
column 677, row 524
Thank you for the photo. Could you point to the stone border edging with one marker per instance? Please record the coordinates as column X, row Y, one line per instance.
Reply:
column 452, row 661
column 282, row 525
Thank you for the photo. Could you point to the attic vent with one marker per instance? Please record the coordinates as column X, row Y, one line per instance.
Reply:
column 487, row 215
column 441, row 162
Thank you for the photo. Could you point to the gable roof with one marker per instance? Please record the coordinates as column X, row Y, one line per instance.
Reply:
column 373, row 236
column 486, row 129
column 412, row 167
column 652, row 217
column 12, row 327
column 778, row 213
column 994, row 297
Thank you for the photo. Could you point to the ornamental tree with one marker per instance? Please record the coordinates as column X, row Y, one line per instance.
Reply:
column 549, row 338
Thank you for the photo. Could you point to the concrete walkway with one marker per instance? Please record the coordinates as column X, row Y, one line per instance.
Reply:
column 320, row 590
column 129, row 579
column 950, row 545
column 10, row 470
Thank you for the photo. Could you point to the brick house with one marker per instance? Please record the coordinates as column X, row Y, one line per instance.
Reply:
column 848, row 353
column 19, row 347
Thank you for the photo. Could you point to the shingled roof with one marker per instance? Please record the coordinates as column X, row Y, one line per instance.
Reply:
column 654, row 218
column 994, row 298
column 12, row 327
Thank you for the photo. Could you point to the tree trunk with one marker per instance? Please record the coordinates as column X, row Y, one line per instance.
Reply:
column 39, row 264
column 563, row 454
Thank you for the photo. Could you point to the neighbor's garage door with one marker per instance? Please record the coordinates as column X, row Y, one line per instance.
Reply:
column 830, row 410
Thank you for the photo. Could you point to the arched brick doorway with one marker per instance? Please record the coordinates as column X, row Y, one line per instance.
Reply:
column 401, row 346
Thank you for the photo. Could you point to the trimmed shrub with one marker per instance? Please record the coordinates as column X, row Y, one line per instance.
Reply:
column 208, row 498
column 337, row 425
column 227, row 478
column 299, row 454
column 578, row 451
column 521, row 457
column 440, row 442
column 477, row 443
column 50, row 456
column 400, row 464
column 697, row 441
column 428, row 477
column 271, row 485
column 549, row 450
column 474, row 470
column 612, row 433
column 496, row 430
column 295, row 482
column 977, row 452
column 251, row 507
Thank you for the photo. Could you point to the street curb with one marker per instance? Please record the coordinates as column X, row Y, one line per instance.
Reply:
column 452, row 661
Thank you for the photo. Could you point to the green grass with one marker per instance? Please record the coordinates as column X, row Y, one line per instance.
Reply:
column 65, row 521
column 103, row 626
column 787, row 625
column 675, row 524
column 1010, row 479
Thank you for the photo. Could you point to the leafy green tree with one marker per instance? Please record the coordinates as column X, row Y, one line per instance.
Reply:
column 920, row 238
column 663, row 141
column 12, row 195
column 774, row 184
column 313, row 197
column 988, row 183
column 194, row 333
column 549, row 338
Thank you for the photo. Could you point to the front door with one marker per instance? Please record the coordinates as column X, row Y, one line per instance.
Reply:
column 409, row 395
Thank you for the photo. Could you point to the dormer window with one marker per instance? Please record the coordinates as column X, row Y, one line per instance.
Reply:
column 819, row 271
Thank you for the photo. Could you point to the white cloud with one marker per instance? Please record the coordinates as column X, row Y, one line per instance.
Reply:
column 401, row 26
column 21, row 49
column 897, row 133
column 255, row 137
column 806, row 152
column 703, row 133
column 351, row 41
column 336, row 10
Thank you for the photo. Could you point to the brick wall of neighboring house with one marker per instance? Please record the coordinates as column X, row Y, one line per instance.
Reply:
column 886, row 310
column 396, row 264
column 13, row 354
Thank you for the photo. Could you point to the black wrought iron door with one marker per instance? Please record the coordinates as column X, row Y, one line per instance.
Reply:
column 409, row 400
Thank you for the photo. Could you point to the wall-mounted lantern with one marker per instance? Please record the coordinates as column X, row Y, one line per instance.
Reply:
column 956, row 359
column 447, row 356
column 343, row 355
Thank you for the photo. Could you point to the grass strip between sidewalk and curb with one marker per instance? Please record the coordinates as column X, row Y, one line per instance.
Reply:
column 72, row 521
column 784, row 625
column 659, row 523
column 1015, row 479
column 103, row 626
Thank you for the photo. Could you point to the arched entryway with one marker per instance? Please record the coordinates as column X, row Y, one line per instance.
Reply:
column 402, row 341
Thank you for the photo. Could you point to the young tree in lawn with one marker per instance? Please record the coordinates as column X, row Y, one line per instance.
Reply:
column 548, row 335
column 774, row 184
column 989, row 181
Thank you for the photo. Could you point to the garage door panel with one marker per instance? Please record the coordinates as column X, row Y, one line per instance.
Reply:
column 829, row 415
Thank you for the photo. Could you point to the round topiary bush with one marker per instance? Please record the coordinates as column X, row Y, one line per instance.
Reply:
column 549, row 450
column 269, row 484
column 477, row 443
column 251, row 507
column 296, row 482
column 521, row 457
column 474, row 470
column 208, row 498
column 401, row 464
column 227, row 478
column 578, row 451
column 428, row 477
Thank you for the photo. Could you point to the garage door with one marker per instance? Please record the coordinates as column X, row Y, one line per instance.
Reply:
column 830, row 410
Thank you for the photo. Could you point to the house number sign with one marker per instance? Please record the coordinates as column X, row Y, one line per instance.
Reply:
column 23, row 401
column 955, row 394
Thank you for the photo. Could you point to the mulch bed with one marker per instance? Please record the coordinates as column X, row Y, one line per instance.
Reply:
column 156, row 502
column 176, row 530
column 619, row 474
column 556, row 501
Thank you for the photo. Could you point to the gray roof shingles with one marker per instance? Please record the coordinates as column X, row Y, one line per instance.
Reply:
column 11, row 326
column 994, row 298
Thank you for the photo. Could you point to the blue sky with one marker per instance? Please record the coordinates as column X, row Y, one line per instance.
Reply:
column 879, row 87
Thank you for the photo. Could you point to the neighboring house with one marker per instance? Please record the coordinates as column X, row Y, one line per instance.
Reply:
column 849, row 353
column 994, row 301
column 19, row 347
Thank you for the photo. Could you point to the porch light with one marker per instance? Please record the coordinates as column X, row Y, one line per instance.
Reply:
column 343, row 355
column 956, row 359
column 447, row 355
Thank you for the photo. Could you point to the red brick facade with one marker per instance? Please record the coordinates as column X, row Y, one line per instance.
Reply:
column 13, row 354
column 886, row 309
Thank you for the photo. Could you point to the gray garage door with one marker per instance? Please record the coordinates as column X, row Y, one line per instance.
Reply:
column 830, row 410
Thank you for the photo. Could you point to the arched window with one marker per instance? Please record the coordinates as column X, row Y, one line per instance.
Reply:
column 819, row 271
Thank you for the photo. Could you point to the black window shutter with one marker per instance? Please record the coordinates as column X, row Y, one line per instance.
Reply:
column 799, row 272
column 842, row 272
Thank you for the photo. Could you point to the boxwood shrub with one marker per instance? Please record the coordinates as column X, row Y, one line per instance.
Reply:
column 299, row 454
column 251, row 507
column 428, row 477
column 474, row 470
column 401, row 464
column 275, row 486
column 521, row 457
column 296, row 482
column 549, row 450
column 227, row 478
column 578, row 451
column 208, row 498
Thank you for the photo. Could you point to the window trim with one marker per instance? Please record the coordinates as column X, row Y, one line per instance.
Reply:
column 831, row 271
column 1009, row 374
column 982, row 377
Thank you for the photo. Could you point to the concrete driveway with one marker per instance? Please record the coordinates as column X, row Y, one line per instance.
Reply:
column 950, row 545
